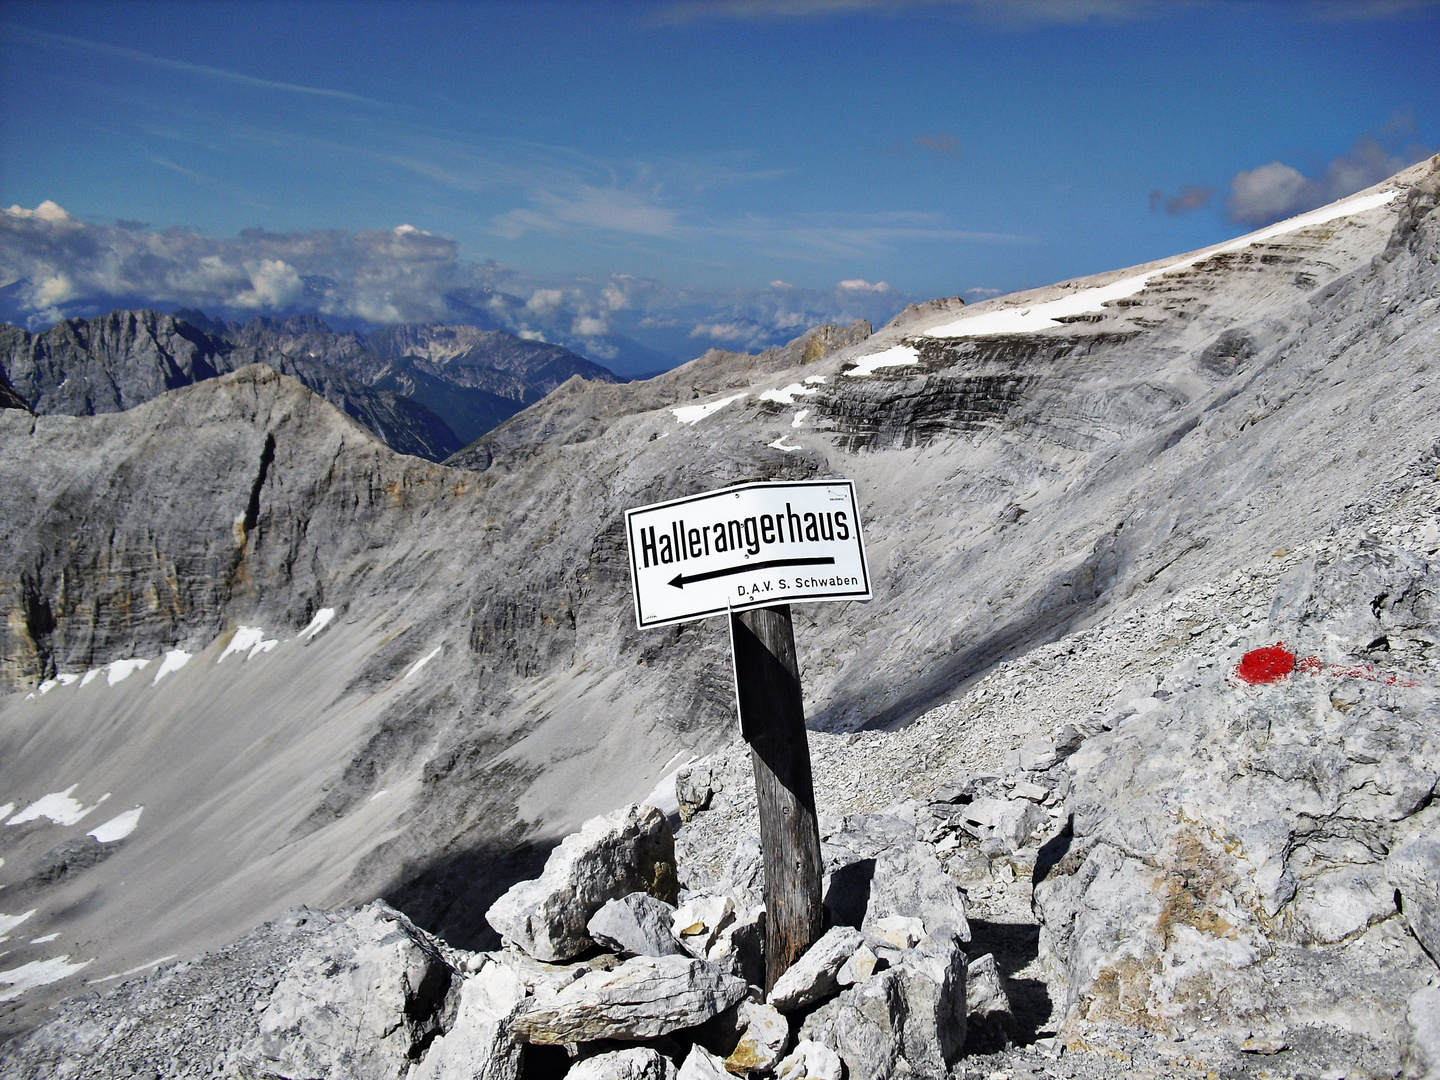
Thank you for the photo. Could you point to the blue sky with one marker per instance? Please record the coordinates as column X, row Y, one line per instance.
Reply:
column 682, row 156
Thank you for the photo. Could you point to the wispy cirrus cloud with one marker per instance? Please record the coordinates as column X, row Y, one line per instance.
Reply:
column 68, row 43
column 1013, row 12
column 585, row 208
column 1024, row 14
column 836, row 235
column 1371, row 10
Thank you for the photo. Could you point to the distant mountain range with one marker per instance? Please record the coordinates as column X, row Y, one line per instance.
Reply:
column 426, row 390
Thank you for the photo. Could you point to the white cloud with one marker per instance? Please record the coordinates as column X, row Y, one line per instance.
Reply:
column 590, row 326
column 55, row 290
column 1276, row 191
column 60, row 267
column 274, row 284
column 732, row 331
column 545, row 301
column 982, row 292
column 46, row 211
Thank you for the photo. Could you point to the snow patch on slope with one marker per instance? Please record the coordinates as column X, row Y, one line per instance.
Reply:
column 691, row 414
column 174, row 660
column 9, row 922
column 663, row 798
column 786, row 394
column 1043, row 316
column 322, row 619
column 58, row 806
column 896, row 356
column 132, row 971
column 37, row 973
column 121, row 670
column 422, row 662
column 249, row 640
column 117, row 828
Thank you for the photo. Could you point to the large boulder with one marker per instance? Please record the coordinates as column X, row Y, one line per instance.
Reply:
column 631, row 850
column 763, row 1041
column 908, row 1020
column 1010, row 823
column 635, row 925
column 1423, row 1017
column 1413, row 869
column 480, row 1045
column 810, row 1061
column 812, row 978
column 699, row 920
column 695, row 786
column 363, row 1003
column 909, row 881
column 743, row 878
column 988, row 1015
column 637, row 1063
column 739, row 949
column 643, row 998
column 700, row 1064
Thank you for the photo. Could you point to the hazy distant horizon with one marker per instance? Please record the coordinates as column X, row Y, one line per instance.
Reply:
column 642, row 182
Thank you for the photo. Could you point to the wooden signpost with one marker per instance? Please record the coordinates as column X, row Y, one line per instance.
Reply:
column 748, row 552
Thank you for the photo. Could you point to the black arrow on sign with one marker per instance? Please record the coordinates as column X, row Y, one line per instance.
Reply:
column 680, row 580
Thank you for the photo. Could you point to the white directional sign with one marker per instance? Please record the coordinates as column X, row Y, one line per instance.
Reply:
column 745, row 547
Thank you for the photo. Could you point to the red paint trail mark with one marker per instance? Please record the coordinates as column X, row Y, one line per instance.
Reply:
column 1275, row 663
column 1268, row 664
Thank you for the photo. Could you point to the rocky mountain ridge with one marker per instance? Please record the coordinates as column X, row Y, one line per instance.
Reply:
column 424, row 390
column 477, row 688
column 472, row 377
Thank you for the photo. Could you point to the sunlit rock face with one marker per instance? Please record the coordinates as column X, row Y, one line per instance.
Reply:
column 480, row 688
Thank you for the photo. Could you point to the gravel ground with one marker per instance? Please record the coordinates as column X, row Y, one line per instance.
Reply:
column 1121, row 656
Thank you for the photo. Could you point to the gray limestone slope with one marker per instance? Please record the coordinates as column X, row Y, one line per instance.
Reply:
column 1014, row 487
column 118, row 361
column 583, row 409
column 242, row 504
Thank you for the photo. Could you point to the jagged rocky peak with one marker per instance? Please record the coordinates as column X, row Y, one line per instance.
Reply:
column 85, row 366
column 423, row 389
column 126, row 358
column 304, row 335
column 1093, row 513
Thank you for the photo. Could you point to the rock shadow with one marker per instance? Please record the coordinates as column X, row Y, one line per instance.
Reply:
column 948, row 679
column 848, row 896
column 1015, row 946
column 449, row 896
column 1052, row 852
